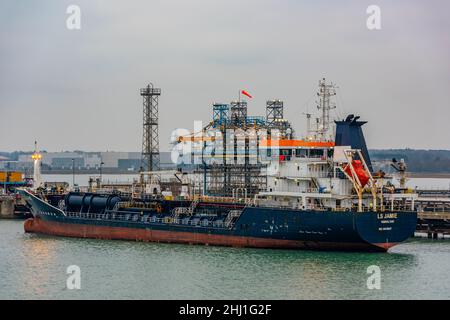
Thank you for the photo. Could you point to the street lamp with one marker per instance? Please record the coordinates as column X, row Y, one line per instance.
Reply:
column 73, row 173
column 5, row 190
column 101, row 164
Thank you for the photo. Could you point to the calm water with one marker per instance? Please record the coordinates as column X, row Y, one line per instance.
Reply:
column 34, row 266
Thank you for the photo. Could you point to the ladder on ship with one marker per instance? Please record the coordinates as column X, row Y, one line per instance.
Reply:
column 192, row 207
column 176, row 212
column 232, row 217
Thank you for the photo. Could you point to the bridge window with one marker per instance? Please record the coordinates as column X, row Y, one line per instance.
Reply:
column 301, row 153
column 316, row 153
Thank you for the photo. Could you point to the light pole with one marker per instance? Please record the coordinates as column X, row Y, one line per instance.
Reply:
column 101, row 165
column 5, row 190
column 73, row 173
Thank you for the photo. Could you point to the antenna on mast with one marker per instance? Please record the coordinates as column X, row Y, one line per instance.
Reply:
column 326, row 91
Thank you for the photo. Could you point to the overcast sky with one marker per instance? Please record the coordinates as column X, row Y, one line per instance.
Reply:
column 79, row 89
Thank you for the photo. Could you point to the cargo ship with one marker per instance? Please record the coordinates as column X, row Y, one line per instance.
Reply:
column 321, row 194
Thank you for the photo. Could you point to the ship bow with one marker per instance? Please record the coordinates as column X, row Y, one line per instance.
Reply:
column 384, row 230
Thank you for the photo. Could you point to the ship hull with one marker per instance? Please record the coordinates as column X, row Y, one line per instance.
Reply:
column 37, row 225
column 256, row 227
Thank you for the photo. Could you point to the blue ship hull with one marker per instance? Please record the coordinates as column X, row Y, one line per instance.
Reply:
column 255, row 227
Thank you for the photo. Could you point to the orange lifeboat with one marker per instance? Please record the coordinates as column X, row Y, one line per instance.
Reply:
column 359, row 170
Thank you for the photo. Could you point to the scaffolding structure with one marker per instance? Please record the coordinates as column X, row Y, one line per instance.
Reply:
column 275, row 120
column 274, row 112
column 150, row 140
column 234, row 180
column 221, row 114
column 239, row 173
column 229, row 148
column 238, row 113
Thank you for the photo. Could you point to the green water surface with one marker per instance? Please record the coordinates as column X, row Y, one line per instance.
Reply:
column 34, row 267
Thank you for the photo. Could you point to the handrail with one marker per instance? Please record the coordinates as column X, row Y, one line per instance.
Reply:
column 138, row 218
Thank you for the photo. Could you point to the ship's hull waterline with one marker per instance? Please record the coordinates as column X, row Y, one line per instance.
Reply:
column 34, row 225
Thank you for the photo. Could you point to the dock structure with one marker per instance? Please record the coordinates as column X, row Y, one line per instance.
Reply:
column 12, row 207
column 433, row 201
column 435, row 225
column 6, row 206
column 433, row 213
column 440, row 193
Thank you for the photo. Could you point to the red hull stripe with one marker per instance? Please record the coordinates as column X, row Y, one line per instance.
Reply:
column 385, row 245
column 37, row 225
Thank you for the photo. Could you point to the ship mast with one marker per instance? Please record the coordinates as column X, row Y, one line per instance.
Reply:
column 326, row 91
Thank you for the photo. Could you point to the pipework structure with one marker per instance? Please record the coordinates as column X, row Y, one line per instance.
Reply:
column 274, row 112
column 238, row 112
column 241, row 174
column 233, row 166
column 275, row 119
column 150, row 140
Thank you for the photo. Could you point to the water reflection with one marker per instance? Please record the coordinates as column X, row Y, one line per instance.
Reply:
column 36, row 269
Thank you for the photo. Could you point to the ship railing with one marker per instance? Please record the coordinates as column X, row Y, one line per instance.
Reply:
column 318, row 174
column 115, row 191
column 318, row 208
column 54, row 193
column 293, row 206
column 178, row 211
column 202, row 198
column 385, row 208
column 148, row 219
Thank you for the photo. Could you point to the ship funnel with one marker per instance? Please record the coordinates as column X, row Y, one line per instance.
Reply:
column 349, row 133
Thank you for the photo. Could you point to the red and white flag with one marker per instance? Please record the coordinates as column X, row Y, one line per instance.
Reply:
column 245, row 93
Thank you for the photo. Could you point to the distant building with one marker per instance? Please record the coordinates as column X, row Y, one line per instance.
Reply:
column 130, row 164
column 66, row 163
column 166, row 161
column 92, row 160
column 111, row 159
column 124, row 161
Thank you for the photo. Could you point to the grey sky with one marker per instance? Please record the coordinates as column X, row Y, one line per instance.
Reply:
column 80, row 89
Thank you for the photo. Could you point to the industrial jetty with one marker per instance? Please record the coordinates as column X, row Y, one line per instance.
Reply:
column 246, row 181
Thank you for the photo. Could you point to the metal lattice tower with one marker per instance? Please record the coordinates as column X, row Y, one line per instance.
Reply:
column 220, row 114
column 275, row 119
column 326, row 91
column 274, row 111
column 238, row 112
column 150, row 138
